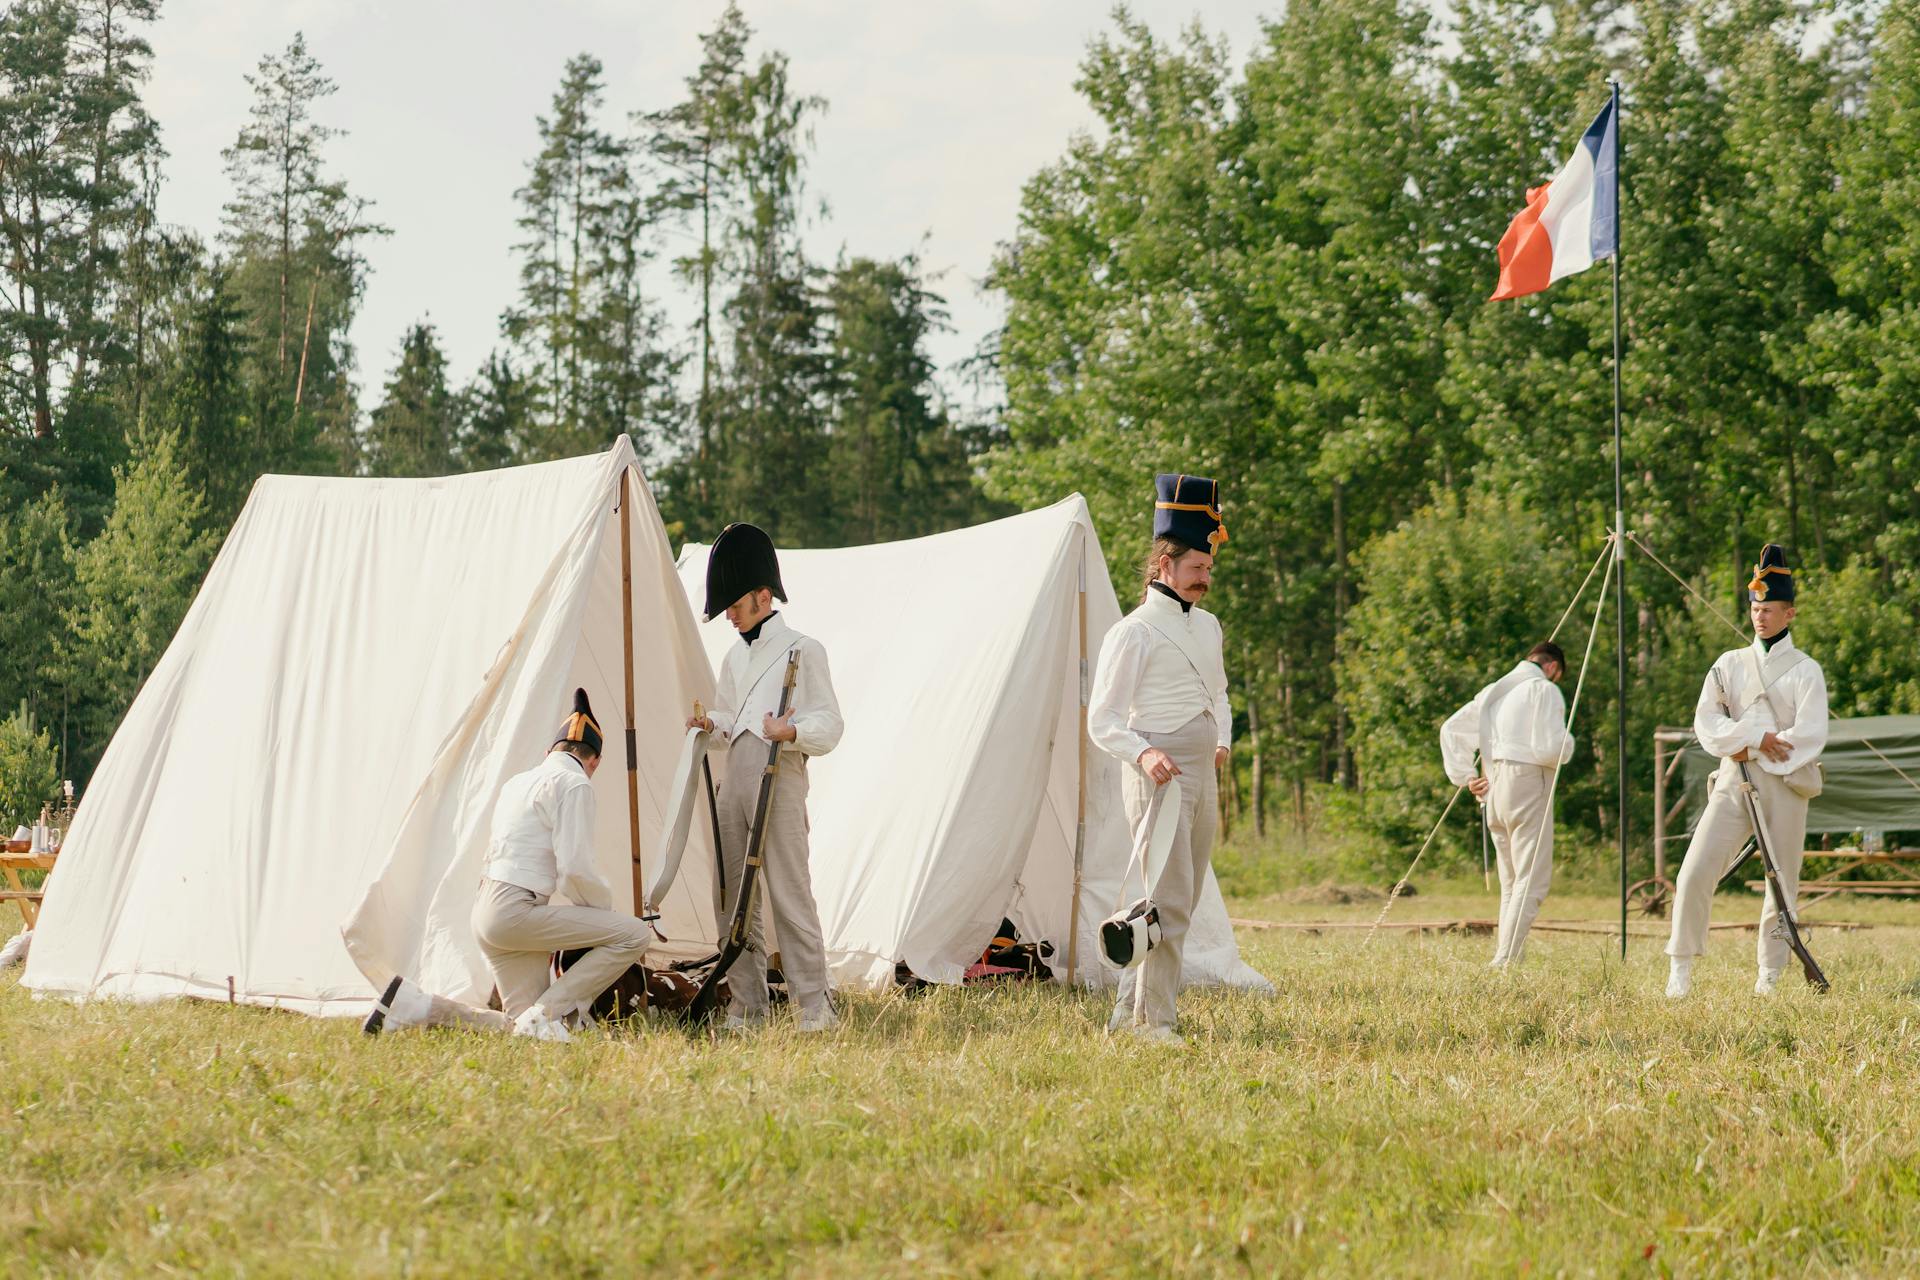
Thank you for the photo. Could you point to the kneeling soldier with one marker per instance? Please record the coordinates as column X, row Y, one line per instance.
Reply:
column 542, row 844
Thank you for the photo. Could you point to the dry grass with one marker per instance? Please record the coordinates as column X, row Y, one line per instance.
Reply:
column 1393, row 1111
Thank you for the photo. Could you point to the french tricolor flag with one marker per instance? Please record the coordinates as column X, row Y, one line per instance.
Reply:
column 1572, row 222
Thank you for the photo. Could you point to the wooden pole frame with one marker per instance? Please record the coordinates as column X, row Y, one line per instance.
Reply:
column 1080, row 821
column 633, row 746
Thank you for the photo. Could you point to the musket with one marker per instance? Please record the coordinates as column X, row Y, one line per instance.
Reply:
column 738, row 929
column 1815, row 978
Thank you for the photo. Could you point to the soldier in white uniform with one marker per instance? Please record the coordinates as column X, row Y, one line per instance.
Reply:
column 1765, row 705
column 1518, row 724
column 743, row 580
column 541, row 845
column 1159, row 704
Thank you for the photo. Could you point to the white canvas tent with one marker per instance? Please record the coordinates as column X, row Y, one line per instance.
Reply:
column 953, row 799
column 321, row 743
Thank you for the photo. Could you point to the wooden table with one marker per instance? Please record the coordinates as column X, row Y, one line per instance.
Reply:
column 15, row 858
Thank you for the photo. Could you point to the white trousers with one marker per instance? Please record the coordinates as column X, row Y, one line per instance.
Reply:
column 1191, row 746
column 785, row 883
column 519, row 931
column 1723, row 829
column 1520, row 820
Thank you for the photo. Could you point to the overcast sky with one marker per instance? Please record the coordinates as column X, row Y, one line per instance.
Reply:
column 937, row 114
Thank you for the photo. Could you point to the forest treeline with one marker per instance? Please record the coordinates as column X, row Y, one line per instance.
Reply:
column 1276, row 270
column 1270, row 267
column 150, row 375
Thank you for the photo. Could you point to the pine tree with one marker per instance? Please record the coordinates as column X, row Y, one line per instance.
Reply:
column 772, row 409
column 573, row 188
column 133, row 585
column 73, row 137
column 36, row 579
column 691, row 142
column 496, row 417
column 1864, row 352
column 899, row 467
column 294, row 234
column 412, row 432
column 204, row 404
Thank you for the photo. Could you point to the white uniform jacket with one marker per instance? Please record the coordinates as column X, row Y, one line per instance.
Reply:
column 1780, row 690
column 1160, row 666
column 750, row 681
column 543, row 833
column 1521, row 717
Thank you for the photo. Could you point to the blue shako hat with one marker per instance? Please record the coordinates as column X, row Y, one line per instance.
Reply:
column 1772, row 579
column 741, row 560
column 1188, row 509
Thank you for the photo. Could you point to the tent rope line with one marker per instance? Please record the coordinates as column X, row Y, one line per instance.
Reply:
column 1691, row 590
column 1686, row 586
column 1393, row 894
column 1890, row 764
column 1605, row 547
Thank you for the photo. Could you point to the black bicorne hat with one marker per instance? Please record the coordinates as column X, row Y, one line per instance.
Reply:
column 741, row 560
column 1188, row 508
column 1772, row 579
column 581, row 727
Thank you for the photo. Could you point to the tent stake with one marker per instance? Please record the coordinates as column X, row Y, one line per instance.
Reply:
column 1080, row 822
column 633, row 751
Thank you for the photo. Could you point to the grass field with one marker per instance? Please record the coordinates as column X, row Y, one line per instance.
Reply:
column 1395, row 1110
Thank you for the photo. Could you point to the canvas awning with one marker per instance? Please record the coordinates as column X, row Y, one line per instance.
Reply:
column 1872, row 768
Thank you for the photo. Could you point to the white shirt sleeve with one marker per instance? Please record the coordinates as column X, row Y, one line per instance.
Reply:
column 817, row 725
column 724, row 697
column 1459, row 739
column 573, row 818
column 1548, row 720
column 1123, row 659
column 1222, row 705
column 1808, row 736
column 1720, row 733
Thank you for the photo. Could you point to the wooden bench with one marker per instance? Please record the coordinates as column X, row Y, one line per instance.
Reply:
column 1829, row 882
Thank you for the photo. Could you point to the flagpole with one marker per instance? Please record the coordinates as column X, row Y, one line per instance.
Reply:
column 1619, row 528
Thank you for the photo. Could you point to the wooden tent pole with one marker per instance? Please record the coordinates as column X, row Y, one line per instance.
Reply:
column 633, row 748
column 1080, row 824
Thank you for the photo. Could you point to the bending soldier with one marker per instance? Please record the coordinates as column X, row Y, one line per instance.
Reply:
column 1518, row 724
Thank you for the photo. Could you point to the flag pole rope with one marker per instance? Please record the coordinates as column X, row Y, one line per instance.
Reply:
column 1605, row 548
column 1573, row 708
column 1890, row 764
column 1686, row 586
column 1393, row 894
